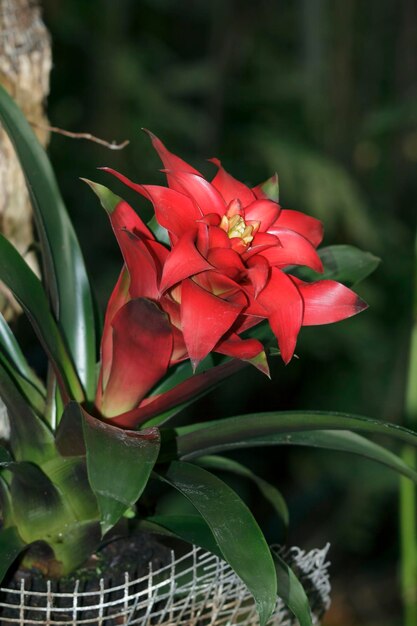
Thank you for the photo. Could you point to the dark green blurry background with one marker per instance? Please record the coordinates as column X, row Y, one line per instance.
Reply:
column 325, row 93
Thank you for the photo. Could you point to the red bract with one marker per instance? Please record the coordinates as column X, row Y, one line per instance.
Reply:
column 232, row 248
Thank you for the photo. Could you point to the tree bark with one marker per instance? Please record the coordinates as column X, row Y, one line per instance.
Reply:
column 25, row 64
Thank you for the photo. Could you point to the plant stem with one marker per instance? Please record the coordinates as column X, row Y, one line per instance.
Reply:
column 408, row 510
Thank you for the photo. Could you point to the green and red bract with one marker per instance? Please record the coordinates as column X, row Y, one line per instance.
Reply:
column 228, row 265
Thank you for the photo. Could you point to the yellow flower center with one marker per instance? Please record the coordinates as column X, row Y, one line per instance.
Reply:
column 236, row 226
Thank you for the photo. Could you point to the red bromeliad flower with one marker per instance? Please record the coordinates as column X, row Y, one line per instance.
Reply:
column 232, row 248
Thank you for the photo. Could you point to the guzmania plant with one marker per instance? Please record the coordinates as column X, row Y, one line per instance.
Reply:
column 207, row 288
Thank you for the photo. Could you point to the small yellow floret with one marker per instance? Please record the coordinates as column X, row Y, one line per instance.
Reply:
column 236, row 227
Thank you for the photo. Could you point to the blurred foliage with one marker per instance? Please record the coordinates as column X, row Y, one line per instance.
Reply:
column 323, row 93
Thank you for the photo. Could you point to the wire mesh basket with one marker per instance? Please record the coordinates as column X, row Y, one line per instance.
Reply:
column 196, row 589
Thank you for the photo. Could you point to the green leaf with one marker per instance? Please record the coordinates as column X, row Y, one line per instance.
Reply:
column 159, row 232
column 291, row 592
column 342, row 441
column 271, row 188
column 234, row 432
column 38, row 507
column 71, row 546
column 64, row 268
column 70, row 477
column 269, row 492
column 30, row 438
column 10, row 347
column 109, row 200
column 69, row 437
column 6, row 507
column 234, row 529
column 5, row 458
column 29, row 392
column 194, row 530
column 11, row 545
column 28, row 290
column 55, row 512
column 119, row 464
column 190, row 528
column 345, row 264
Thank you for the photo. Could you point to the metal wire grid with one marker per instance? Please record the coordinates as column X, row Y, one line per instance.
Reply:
column 197, row 589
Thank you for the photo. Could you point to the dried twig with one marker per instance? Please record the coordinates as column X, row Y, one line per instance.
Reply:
column 88, row 136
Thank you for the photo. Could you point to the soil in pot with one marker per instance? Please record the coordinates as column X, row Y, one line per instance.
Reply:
column 110, row 564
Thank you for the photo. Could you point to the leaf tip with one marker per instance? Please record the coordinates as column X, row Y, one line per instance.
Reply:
column 109, row 200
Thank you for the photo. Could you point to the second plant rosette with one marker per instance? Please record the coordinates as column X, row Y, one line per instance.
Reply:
column 219, row 280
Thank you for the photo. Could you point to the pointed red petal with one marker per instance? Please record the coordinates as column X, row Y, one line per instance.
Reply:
column 261, row 242
column 124, row 216
column 211, row 219
column 124, row 179
column 284, row 305
column 327, row 301
column 144, row 261
column 258, row 272
column 201, row 191
column 173, row 210
column 218, row 284
column 294, row 250
column 307, row 226
column 250, row 350
column 119, row 297
column 217, row 238
column 171, row 161
column 142, row 347
column 264, row 211
column 228, row 261
column 205, row 318
column 229, row 187
column 183, row 261
column 202, row 241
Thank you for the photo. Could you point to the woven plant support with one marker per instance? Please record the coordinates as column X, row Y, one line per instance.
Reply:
column 197, row 589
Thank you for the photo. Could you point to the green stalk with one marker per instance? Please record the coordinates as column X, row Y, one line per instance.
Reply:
column 408, row 509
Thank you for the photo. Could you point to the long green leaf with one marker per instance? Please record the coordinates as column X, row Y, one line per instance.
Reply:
column 70, row 477
column 193, row 529
column 30, row 393
column 235, row 530
column 10, row 347
column 119, row 464
column 269, row 492
column 38, row 507
column 291, row 592
column 69, row 436
column 343, row 441
column 6, row 506
column 58, row 509
column 190, row 528
column 346, row 264
column 209, row 437
column 11, row 545
column 30, row 438
column 63, row 263
column 28, row 290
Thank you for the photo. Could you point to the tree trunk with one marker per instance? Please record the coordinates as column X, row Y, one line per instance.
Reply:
column 25, row 64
